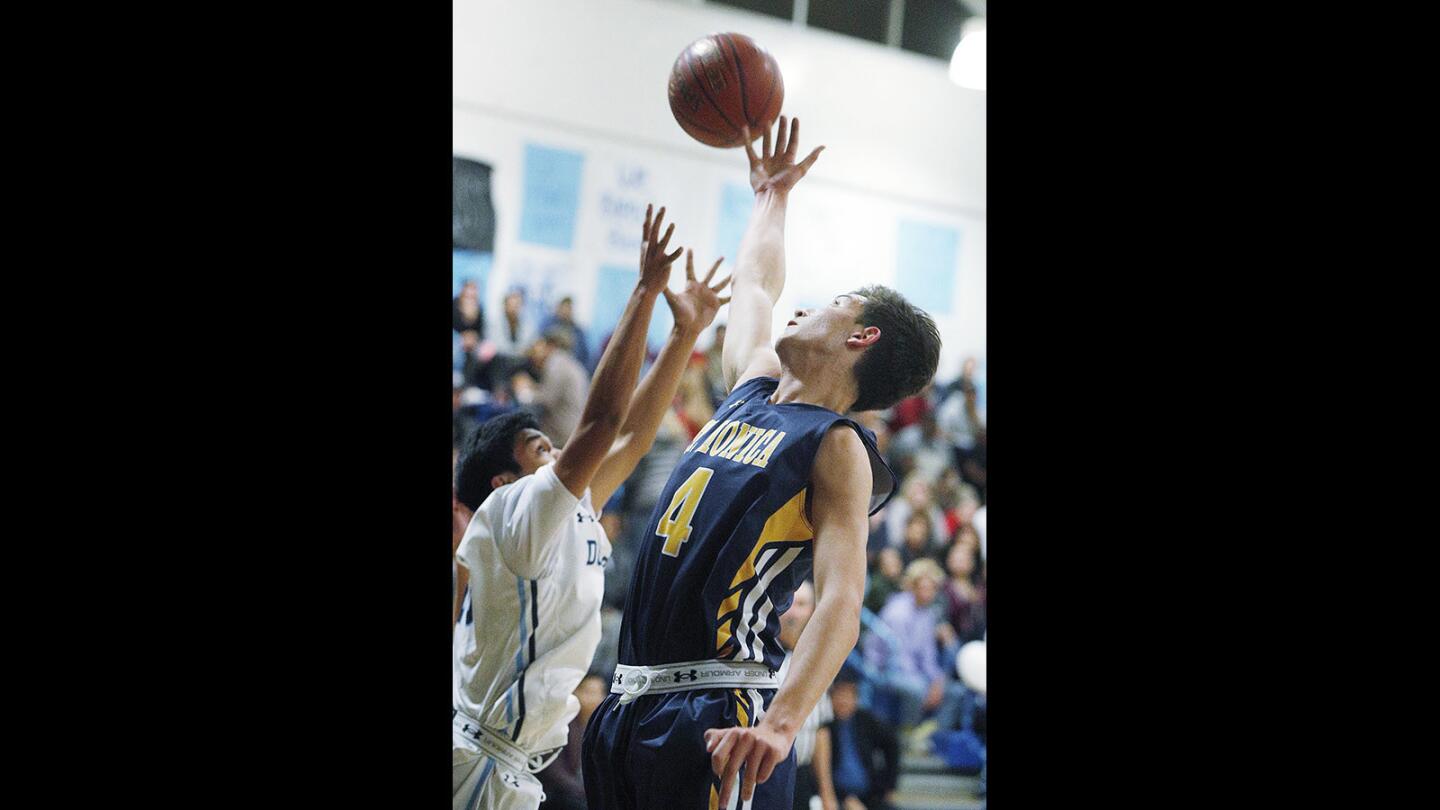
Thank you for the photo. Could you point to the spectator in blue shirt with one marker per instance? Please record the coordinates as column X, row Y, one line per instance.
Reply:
column 864, row 751
column 909, row 659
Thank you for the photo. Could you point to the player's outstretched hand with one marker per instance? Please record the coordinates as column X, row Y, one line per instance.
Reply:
column 654, row 262
column 777, row 169
column 758, row 749
column 695, row 307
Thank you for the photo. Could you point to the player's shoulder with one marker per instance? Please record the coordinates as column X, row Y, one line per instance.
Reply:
column 841, row 443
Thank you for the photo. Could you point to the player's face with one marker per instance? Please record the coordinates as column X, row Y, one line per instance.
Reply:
column 826, row 326
column 533, row 450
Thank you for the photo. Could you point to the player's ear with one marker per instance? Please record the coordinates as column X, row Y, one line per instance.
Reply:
column 497, row 481
column 863, row 338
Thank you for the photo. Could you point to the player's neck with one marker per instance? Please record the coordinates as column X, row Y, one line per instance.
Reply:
column 815, row 384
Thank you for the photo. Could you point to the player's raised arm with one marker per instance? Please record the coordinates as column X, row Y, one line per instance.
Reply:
column 760, row 268
column 840, row 485
column 694, row 309
column 613, row 385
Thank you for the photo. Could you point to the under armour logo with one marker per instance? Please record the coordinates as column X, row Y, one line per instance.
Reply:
column 681, row 677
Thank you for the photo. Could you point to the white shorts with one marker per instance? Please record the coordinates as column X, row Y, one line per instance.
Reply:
column 482, row 782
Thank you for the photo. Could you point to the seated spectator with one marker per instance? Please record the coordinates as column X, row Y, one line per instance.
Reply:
column 964, row 596
column 917, row 545
column 884, row 581
column 514, row 332
column 864, row 751
column 472, row 369
column 564, row 384
column 959, row 416
column 468, row 315
column 562, row 320
column 918, row 498
column 911, row 669
column 921, row 449
column 562, row 781
column 972, row 464
column 910, row 410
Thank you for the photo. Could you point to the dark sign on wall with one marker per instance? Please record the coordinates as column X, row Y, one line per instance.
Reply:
column 473, row 222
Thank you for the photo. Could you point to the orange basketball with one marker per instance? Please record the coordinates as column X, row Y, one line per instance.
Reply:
column 722, row 82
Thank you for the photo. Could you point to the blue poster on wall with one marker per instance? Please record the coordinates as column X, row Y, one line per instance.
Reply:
column 471, row 265
column 925, row 265
column 735, row 204
column 612, row 292
column 552, row 196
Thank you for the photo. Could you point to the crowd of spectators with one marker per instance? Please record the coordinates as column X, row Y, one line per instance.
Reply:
column 925, row 588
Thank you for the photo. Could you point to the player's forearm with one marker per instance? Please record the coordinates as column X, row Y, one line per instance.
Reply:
column 761, row 262
column 822, row 648
column 613, row 385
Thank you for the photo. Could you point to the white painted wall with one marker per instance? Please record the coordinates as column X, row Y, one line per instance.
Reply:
column 590, row 75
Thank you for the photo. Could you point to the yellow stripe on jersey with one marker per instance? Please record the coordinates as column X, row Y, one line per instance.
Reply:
column 787, row 524
column 740, row 710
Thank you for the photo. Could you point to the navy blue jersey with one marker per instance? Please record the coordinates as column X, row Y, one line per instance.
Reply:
column 730, row 538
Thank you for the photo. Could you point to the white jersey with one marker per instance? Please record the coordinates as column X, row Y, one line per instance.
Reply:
column 531, row 619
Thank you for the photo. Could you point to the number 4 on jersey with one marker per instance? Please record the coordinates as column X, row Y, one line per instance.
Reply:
column 675, row 522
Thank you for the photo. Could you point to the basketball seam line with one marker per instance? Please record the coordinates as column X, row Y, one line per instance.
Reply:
column 713, row 103
column 740, row 72
column 688, row 123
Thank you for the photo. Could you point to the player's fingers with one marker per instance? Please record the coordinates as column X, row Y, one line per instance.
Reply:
column 767, row 766
column 749, row 147
column 669, row 297
column 665, row 241
column 724, row 301
column 810, row 160
column 713, row 268
column 725, row 282
column 794, row 143
column 781, row 140
column 655, row 226
column 673, row 256
column 732, row 768
column 645, row 234
column 720, row 747
column 754, row 767
column 765, row 144
column 689, row 265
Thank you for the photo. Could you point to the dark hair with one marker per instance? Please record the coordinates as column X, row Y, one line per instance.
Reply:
column 905, row 357
column 489, row 450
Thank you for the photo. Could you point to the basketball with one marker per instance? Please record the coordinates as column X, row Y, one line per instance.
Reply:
column 721, row 83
